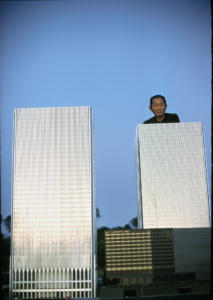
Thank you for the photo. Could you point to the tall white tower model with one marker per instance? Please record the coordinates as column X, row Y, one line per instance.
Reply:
column 53, row 213
column 171, row 176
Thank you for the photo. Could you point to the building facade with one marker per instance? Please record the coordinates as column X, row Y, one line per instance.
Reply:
column 158, row 261
column 171, row 176
column 192, row 252
column 53, row 208
column 136, row 256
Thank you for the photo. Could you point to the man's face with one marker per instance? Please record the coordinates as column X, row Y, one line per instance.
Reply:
column 158, row 107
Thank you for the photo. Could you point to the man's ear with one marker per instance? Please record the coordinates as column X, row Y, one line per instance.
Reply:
column 151, row 109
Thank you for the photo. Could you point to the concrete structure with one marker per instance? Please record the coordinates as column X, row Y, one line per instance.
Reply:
column 171, row 176
column 53, row 213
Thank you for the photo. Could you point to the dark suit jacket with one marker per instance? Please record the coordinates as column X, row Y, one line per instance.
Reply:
column 169, row 118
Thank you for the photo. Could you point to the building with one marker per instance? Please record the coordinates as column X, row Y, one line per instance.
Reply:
column 157, row 261
column 135, row 256
column 53, row 209
column 171, row 176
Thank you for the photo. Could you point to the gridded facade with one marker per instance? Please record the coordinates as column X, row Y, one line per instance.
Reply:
column 162, row 251
column 171, row 176
column 53, row 218
column 135, row 256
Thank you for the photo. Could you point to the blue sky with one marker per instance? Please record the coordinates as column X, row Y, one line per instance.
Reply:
column 112, row 55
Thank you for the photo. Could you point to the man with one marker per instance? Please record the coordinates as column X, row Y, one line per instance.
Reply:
column 158, row 107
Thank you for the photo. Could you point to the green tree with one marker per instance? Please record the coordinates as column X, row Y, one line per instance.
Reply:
column 5, row 253
column 98, row 214
column 7, row 223
column 134, row 223
column 101, row 247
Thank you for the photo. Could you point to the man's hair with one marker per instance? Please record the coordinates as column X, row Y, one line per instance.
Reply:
column 157, row 96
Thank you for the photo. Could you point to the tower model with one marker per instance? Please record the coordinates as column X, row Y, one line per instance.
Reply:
column 171, row 176
column 53, row 211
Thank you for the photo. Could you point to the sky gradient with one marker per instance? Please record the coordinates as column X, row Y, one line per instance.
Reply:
column 112, row 55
